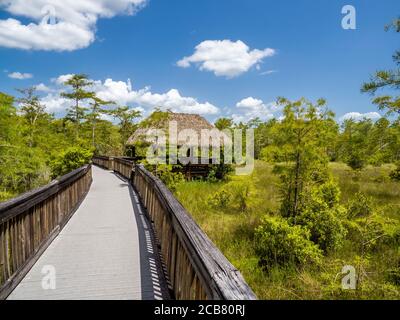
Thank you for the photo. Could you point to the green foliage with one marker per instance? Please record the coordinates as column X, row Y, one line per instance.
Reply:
column 171, row 179
column 224, row 123
column 235, row 195
column 79, row 84
column 395, row 174
column 241, row 194
column 126, row 117
column 356, row 161
column 360, row 206
column 4, row 195
column 326, row 228
column 273, row 154
column 303, row 136
column 393, row 275
column 377, row 230
column 234, row 235
column 386, row 79
column 279, row 243
column 329, row 193
column 69, row 160
column 220, row 199
column 219, row 172
column 323, row 217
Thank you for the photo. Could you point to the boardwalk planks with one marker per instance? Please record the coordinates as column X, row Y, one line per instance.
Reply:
column 196, row 268
column 31, row 221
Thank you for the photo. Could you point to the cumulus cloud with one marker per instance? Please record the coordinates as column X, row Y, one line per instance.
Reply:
column 55, row 104
column 58, row 25
column 20, row 76
column 122, row 93
column 251, row 108
column 357, row 116
column 60, row 80
column 225, row 57
column 43, row 88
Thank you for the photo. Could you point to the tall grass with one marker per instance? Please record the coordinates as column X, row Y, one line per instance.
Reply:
column 233, row 233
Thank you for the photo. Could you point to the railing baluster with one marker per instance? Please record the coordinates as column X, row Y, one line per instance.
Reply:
column 28, row 223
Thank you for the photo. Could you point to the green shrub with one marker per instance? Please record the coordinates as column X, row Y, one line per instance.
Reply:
column 278, row 243
column 329, row 192
column 356, row 161
column 241, row 194
column 393, row 276
column 360, row 206
column 322, row 216
column 395, row 174
column 326, row 228
column 273, row 154
column 220, row 199
column 69, row 160
column 234, row 194
column 219, row 172
column 377, row 230
column 171, row 179
column 4, row 196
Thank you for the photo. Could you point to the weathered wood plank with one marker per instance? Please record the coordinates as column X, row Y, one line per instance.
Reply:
column 196, row 255
column 28, row 222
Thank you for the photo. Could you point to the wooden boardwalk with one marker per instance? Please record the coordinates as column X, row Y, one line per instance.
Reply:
column 106, row 251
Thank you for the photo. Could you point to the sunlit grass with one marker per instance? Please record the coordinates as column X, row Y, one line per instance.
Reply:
column 233, row 232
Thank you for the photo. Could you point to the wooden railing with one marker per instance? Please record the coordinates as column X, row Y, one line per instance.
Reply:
column 196, row 268
column 30, row 222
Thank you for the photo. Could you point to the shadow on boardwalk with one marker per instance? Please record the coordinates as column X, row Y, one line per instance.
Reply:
column 154, row 283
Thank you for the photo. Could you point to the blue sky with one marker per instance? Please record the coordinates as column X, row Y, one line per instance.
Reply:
column 313, row 55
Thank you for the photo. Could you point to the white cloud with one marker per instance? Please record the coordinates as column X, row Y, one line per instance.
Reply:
column 251, row 108
column 357, row 116
column 55, row 104
column 122, row 93
column 43, row 88
column 72, row 23
column 225, row 57
column 250, row 103
column 60, row 80
column 20, row 76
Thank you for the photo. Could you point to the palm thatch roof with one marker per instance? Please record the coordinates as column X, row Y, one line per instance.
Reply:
column 183, row 121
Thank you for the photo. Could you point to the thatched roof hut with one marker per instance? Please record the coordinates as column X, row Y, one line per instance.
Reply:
column 182, row 121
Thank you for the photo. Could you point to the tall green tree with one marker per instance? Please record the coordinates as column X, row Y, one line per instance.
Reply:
column 224, row 123
column 94, row 115
column 127, row 126
column 386, row 79
column 32, row 110
column 304, row 134
column 79, row 84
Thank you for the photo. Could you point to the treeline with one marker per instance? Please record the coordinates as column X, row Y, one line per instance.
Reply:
column 355, row 142
column 36, row 147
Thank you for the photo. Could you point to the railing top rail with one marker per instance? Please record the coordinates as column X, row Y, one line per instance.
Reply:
column 124, row 160
column 20, row 204
column 224, row 279
column 102, row 157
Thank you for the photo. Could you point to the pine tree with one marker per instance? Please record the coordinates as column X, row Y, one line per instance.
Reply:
column 78, row 82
